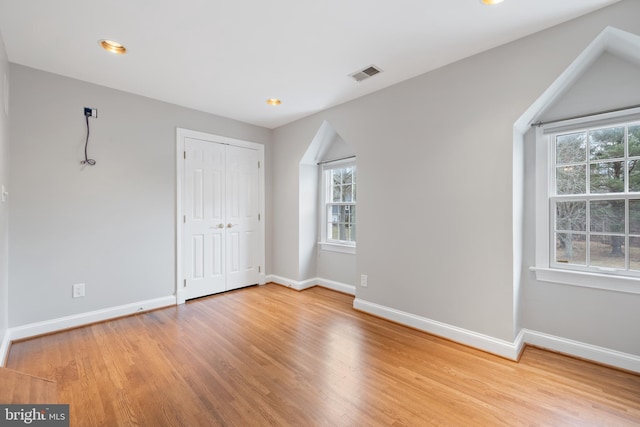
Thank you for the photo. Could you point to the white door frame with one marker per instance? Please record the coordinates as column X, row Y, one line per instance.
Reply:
column 181, row 134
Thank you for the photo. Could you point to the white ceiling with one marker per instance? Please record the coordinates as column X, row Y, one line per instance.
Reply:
column 228, row 57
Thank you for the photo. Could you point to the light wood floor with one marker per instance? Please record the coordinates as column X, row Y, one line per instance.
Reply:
column 19, row 388
column 272, row 356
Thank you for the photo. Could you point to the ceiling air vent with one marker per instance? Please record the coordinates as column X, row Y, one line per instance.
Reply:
column 366, row 73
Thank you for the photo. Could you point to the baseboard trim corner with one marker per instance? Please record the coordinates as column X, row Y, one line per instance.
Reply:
column 602, row 355
column 508, row 350
column 309, row 283
column 82, row 319
column 519, row 344
column 289, row 283
column 4, row 348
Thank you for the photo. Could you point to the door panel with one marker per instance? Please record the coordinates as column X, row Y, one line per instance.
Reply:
column 217, row 255
column 204, row 218
column 242, row 215
column 197, row 271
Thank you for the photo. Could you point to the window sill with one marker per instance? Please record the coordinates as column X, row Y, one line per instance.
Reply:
column 335, row 247
column 630, row 285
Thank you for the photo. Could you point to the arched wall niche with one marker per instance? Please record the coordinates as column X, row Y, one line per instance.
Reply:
column 317, row 266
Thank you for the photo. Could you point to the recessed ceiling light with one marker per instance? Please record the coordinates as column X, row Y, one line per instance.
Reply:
column 114, row 47
column 274, row 101
column 491, row 2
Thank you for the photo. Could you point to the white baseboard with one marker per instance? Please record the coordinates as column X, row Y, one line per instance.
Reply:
column 61, row 323
column 629, row 362
column 309, row 283
column 4, row 348
column 509, row 350
column 336, row 286
column 293, row 284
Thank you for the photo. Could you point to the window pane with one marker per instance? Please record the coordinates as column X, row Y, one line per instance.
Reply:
column 571, row 148
column 345, row 234
column 334, row 212
column 347, row 194
column 607, row 143
column 336, row 193
column 336, row 176
column 333, row 231
column 607, row 251
column 634, row 140
column 570, row 248
column 347, row 214
column 607, row 177
column 634, row 175
column 347, row 176
column 571, row 216
column 634, row 216
column 634, row 253
column 607, row 216
column 571, row 179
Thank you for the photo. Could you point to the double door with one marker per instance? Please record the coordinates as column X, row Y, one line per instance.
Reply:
column 221, row 217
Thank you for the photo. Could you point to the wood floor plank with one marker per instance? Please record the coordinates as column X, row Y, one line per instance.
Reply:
column 272, row 356
column 19, row 388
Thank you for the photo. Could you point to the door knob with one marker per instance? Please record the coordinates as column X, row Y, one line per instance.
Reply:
column 229, row 225
column 217, row 226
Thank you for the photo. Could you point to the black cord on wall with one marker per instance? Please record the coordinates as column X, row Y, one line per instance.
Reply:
column 87, row 160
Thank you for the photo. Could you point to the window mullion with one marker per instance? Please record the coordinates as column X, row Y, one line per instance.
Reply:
column 551, row 189
column 627, row 241
column 587, row 234
column 627, row 248
column 588, row 162
column 626, row 159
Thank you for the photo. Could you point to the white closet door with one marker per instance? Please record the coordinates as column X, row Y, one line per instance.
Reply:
column 220, row 230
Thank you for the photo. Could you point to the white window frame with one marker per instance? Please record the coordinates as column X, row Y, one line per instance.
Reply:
column 325, row 243
column 545, row 270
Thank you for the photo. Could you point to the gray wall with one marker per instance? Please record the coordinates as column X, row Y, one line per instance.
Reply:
column 610, row 82
column 4, row 210
column 308, row 232
column 436, row 195
column 337, row 266
column 604, row 318
column 111, row 226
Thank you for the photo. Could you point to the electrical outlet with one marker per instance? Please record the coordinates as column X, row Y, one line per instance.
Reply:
column 91, row 112
column 78, row 290
column 363, row 280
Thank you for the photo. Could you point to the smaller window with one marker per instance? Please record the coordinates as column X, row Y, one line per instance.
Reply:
column 339, row 207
